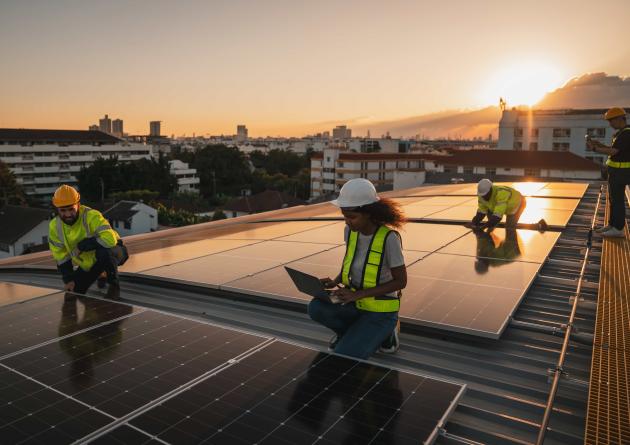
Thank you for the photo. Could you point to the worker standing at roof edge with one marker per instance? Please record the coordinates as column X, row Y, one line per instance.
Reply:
column 81, row 236
column 494, row 201
column 372, row 274
column 618, row 166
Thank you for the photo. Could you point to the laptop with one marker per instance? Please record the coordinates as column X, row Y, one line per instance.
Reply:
column 310, row 285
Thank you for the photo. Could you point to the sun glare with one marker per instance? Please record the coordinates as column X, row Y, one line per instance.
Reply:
column 522, row 83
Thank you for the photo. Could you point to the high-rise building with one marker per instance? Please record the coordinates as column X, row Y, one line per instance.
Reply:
column 117, row 128
column 241, row 133
column 341, row 132
column 154, row 128
column 105, row 124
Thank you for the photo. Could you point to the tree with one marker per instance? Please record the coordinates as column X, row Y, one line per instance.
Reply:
column 106, row 176
column 10, row 191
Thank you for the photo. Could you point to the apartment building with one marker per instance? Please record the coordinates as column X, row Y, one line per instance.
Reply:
column 44, row 159
column 554, row 130
column 334, row 167
column 187, row 179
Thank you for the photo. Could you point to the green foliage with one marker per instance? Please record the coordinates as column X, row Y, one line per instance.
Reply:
column 151, row 174
column 280, row 161
column 135, row 195
column 178, row 218
column 10, row 191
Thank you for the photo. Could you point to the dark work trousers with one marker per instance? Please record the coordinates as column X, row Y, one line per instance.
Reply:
column 618, row 178
column 107, row 260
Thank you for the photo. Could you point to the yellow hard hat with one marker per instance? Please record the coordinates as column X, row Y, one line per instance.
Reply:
column 614, row 112
column 65, row 196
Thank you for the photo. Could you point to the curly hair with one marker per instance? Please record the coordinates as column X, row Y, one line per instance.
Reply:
column 385, row 211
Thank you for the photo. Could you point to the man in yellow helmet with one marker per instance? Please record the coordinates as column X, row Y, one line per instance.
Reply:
column 82, row 237
column 618, row 165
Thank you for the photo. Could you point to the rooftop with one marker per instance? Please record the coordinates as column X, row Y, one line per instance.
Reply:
column 262, row 202
column 17, row 221
column 225, row 272
column 121, row 211
column 31, row 136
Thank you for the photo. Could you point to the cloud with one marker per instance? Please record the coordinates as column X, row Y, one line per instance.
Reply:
column 592, row 90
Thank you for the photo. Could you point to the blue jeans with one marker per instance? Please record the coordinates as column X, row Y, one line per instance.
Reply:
column 360, row 333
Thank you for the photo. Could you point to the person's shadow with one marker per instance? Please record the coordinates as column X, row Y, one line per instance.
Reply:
column 317, row 409
column 88, row 349
column 492, row 251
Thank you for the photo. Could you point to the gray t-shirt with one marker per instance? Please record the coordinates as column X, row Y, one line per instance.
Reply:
column 392, row 257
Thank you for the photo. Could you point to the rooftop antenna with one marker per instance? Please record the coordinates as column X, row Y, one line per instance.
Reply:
column 502, row 104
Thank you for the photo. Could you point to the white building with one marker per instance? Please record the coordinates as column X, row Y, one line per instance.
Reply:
column 241, row 133
column 131, row 218
column 554, row 130
column 105, row 124
column 334, row 167
column 42, row 160
column 22, row 228
column 155, row 128
column 187, row 180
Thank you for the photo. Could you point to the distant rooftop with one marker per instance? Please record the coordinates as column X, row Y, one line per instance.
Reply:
column 566, row 111
column 263, row 202
column 121, row 211
column 31, row 136
column 17, row 221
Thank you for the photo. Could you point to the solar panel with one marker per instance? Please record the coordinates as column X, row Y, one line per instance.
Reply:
column 32, row 413
column 168, row 255
column 286, row 394
column 420, row 211
column 221, row 268
column 120, row 366
column 36, row 321
column 429, row 237
column 331, row 234
column 521, row 245
column 12, row 293
column 125, row 435
column 276, row 283
column 267, row 231
column 531, row 215
column 465, row 294
column 552, row 203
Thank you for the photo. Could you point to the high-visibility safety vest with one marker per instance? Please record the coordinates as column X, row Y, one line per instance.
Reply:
column 616, row 164
column 371, row 272
column 503, row 201
column 63, row 238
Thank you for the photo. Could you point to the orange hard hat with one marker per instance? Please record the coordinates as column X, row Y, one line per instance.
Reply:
column 614, row 112
column 65, row 196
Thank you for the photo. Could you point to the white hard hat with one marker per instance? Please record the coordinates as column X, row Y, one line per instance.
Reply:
column 483, row 187
column 356, row 193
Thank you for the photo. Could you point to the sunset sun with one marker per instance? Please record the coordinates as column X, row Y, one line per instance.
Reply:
column 522, row 83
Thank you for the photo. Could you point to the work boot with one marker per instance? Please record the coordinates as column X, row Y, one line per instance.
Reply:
column 542, row 225
column 113, row 291
column 391, row 343
column 332, row 344
column 101, row 281
column 603, row 229
column 614, row 233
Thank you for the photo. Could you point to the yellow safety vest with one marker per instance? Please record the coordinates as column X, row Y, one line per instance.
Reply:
column 503, row 201
column 616, row 164
column 63, row 238
column 371, row 272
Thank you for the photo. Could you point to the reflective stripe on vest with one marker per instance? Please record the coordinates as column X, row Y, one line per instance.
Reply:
column 615, row 164
column 371, row 272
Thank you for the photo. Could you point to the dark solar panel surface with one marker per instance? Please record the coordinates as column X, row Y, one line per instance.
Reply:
column 32, row 413
column 285, row 394
column 33, row 322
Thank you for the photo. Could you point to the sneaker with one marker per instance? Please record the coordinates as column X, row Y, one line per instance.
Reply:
column 101, row 281
column 614, row 233
column 603, row 229
column 332, row 344
column 392, row 343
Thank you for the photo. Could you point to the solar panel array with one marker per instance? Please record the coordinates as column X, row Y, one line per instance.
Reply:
column 483, row 279
column 109, row 372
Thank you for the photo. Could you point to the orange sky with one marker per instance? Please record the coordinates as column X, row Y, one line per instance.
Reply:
column 286, row 67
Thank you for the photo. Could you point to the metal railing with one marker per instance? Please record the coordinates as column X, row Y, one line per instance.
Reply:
column 559, row 370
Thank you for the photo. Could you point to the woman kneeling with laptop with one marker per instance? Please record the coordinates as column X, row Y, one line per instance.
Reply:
column 372, row 275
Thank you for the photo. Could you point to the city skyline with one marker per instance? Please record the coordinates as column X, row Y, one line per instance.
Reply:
column 288, row 69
